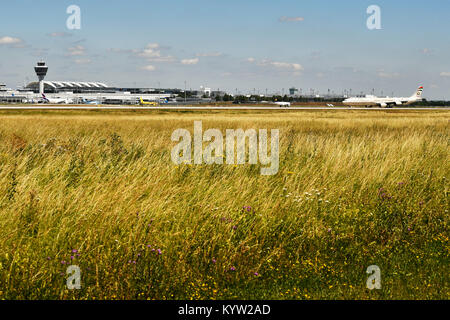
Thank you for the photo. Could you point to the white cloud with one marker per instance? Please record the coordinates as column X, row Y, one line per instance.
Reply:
column 285, row 65
column 445, row 74
column 189, row 61
column 153, row 46
column 295, row 67
column 210, row 54
column 149, row 68
column 291, row 19
column 387, row 75
column 83, row 61
column 152, row 53
column 76, row 51
column 59, row 34
column 10, row 40
column 280, row 65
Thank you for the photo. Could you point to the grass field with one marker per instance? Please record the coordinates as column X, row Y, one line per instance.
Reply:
column 99, row 190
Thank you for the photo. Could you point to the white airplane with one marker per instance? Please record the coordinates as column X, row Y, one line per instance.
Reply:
column 87, row 101
column 55, row 101
column 283, row 104
column 370, row 101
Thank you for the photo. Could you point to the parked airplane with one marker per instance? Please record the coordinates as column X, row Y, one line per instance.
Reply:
column 87, row 101
column 56, row 101
column 151, row 103
column 370, row 101
column 283, row 104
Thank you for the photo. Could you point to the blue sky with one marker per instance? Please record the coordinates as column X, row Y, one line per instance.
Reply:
column 244, row 44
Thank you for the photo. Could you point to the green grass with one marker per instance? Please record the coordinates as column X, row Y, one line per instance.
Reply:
column 354, row 189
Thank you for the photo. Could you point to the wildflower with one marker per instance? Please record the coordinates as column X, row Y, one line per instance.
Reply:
column 234, row 227
column 149, row 246
column 72, row 257
column 329, row 229
column 48, row 258
column 63, row 262
column 214, row 260
column 159, row 251
column 256, row 274
column 74, row 251
column 232, row 269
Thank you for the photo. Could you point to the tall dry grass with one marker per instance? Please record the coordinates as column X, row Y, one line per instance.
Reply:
column 99, row 190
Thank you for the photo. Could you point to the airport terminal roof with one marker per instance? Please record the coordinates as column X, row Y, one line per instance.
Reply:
column 75, row 84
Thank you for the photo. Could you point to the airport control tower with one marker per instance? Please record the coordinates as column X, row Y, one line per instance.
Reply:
column 41, row 71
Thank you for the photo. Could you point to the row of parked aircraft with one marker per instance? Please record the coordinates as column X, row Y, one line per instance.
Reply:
column 46, row 99
column 367, row 101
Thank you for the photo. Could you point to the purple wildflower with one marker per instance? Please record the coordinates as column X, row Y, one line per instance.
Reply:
column 214, row 260
column 232, row 269
column 159, row 251
column 256, row 274
column 74, row 251
column 234, row 227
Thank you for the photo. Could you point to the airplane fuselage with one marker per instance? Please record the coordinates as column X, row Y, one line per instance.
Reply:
column 387, row 102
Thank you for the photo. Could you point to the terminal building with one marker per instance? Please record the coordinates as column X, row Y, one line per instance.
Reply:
column 99, row 92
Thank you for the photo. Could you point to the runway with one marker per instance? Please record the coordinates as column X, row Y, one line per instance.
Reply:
column 187, row 108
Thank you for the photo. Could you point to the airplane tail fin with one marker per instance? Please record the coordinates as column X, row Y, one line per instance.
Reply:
column 418, row 94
